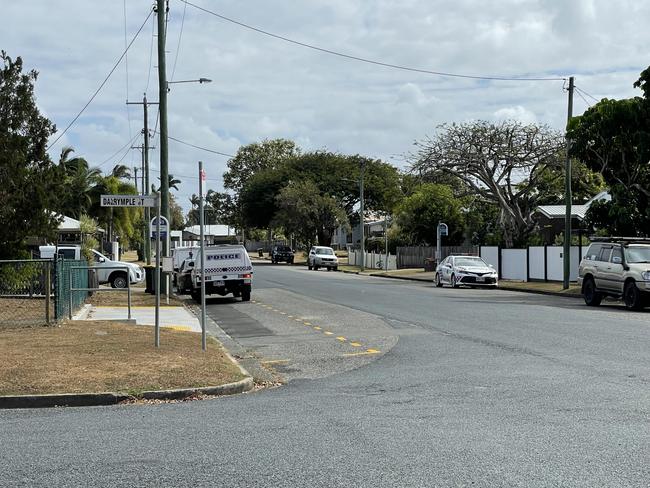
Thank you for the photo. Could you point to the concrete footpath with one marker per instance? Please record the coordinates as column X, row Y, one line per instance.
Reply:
column 178, row 318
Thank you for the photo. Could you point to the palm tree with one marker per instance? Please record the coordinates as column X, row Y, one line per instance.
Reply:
column 80, row 181
column 121, row 172
column 173, row 183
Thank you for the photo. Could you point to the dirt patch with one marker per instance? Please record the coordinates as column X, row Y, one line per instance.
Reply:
column 97, row 356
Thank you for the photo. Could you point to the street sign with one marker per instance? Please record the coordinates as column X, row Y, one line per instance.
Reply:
column 128, row 201
column 164, row 227
column 443, row 229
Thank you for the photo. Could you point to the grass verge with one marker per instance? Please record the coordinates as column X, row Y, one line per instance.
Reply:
column 96, row 356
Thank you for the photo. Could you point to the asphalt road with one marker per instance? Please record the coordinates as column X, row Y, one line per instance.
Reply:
column 447, row 387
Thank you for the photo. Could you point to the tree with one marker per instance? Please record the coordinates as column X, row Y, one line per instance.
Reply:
column 256, row 157
column 29, row 182
column 176, row 220
column 613, row 137
column 173, row 183
column 308, row 215
column 419, row 214
column 80, row 184
column 122, row 171
column 500, row 162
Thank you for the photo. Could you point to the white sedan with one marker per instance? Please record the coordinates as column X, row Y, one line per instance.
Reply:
column 465, row 270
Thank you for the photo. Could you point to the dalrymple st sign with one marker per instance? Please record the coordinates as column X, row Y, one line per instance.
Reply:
column 128, row 201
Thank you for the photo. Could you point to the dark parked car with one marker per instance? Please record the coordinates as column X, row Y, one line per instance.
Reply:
column 281, row 253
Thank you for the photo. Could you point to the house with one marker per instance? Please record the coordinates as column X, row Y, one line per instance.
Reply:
column 373, row 227
column 550, row 218
column 214, row 234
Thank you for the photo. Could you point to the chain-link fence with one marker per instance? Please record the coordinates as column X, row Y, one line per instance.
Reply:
column 26, row 292
column 70, row 274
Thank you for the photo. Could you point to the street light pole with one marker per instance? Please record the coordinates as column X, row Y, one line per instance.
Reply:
column 568, row 198
column 162, row 100
column 363, row 237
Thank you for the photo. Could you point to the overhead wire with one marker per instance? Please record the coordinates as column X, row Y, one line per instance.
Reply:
column 367, row 60
column 180, row 37
column 101, row 85
column 126, row 69
column 583, row 98
column 199, row 147
column 585, row 93
column 131, row 141
column 153, row 27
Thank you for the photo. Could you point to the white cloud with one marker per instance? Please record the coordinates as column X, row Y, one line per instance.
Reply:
column 516, row 113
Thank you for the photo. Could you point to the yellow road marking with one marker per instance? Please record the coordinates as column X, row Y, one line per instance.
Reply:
column 364, row 353
column 317, row 328
column 298, row 320
column 341, row 338
column 290, row 316
column 276, row 361
column 327, row 332
column 355, row 344
column 178, row 327
column 307, row 323
column 283, row 313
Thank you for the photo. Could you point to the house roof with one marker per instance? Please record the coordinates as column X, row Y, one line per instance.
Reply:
column 71, row 225
column 577, row 211
column 211, row 230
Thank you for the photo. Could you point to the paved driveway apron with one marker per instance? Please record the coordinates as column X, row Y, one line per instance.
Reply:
column 483, row 388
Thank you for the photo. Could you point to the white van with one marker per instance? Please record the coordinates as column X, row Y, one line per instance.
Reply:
column 228, row 269
column 107, row 271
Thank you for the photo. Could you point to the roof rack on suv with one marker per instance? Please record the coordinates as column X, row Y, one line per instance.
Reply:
column 622, row 240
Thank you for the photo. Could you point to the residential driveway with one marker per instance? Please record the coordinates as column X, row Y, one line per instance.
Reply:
column 482, row 388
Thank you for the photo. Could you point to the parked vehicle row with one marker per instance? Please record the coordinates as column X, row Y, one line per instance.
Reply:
column 617, row 267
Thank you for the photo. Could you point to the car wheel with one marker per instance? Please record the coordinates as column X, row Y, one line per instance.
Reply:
column 591, row 296
column 119, row 280
column 437, row 281
column 632, row 296
column 246, row 296
column 454, row 284
column 315, row 268
column 196, row 297
column 335, row 268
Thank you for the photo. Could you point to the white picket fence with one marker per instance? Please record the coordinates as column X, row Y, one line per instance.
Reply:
column 373, row 260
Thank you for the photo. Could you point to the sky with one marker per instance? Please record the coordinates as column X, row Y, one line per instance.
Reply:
column 264, row 87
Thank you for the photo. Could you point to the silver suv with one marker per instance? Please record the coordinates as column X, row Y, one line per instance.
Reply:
column 617, row 267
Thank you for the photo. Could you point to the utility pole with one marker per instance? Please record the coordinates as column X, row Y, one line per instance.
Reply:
column 145, row 173
column 568, row 196
column 202, row 234
column 161, row 10
column 363, row 237
column 135, row 177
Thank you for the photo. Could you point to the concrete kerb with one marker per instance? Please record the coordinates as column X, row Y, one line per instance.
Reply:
column 110, row 398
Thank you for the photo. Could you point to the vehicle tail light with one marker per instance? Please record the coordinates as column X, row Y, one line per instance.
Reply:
column 247, row 275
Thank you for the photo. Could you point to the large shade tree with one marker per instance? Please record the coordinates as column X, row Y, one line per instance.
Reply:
column 613, row 137
column 30, row 184
column 501, row 162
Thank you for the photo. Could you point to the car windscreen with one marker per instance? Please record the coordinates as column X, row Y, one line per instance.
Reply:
column 637, row 254
column 324, row 250
column 470, row 262
column 283, row 248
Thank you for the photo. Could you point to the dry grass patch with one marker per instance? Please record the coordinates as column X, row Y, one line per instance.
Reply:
column 96, row 356
column 138, row 299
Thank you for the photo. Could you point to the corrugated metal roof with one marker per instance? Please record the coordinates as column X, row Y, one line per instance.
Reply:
column 577, row 211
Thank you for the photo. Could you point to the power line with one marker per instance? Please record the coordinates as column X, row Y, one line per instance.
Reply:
column 366, row 60
column 199, row 147
column 126, row 66
column 180, row 36
column 185, row 176
column 118, row 151
column 102, row 84
column 583, row 98
column 590, row 96
column 153, row 24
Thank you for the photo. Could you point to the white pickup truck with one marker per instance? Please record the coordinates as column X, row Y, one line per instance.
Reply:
column 107, row 271
column 228, row 269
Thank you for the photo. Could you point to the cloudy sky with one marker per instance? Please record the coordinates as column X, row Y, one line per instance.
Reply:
column 264, row 87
